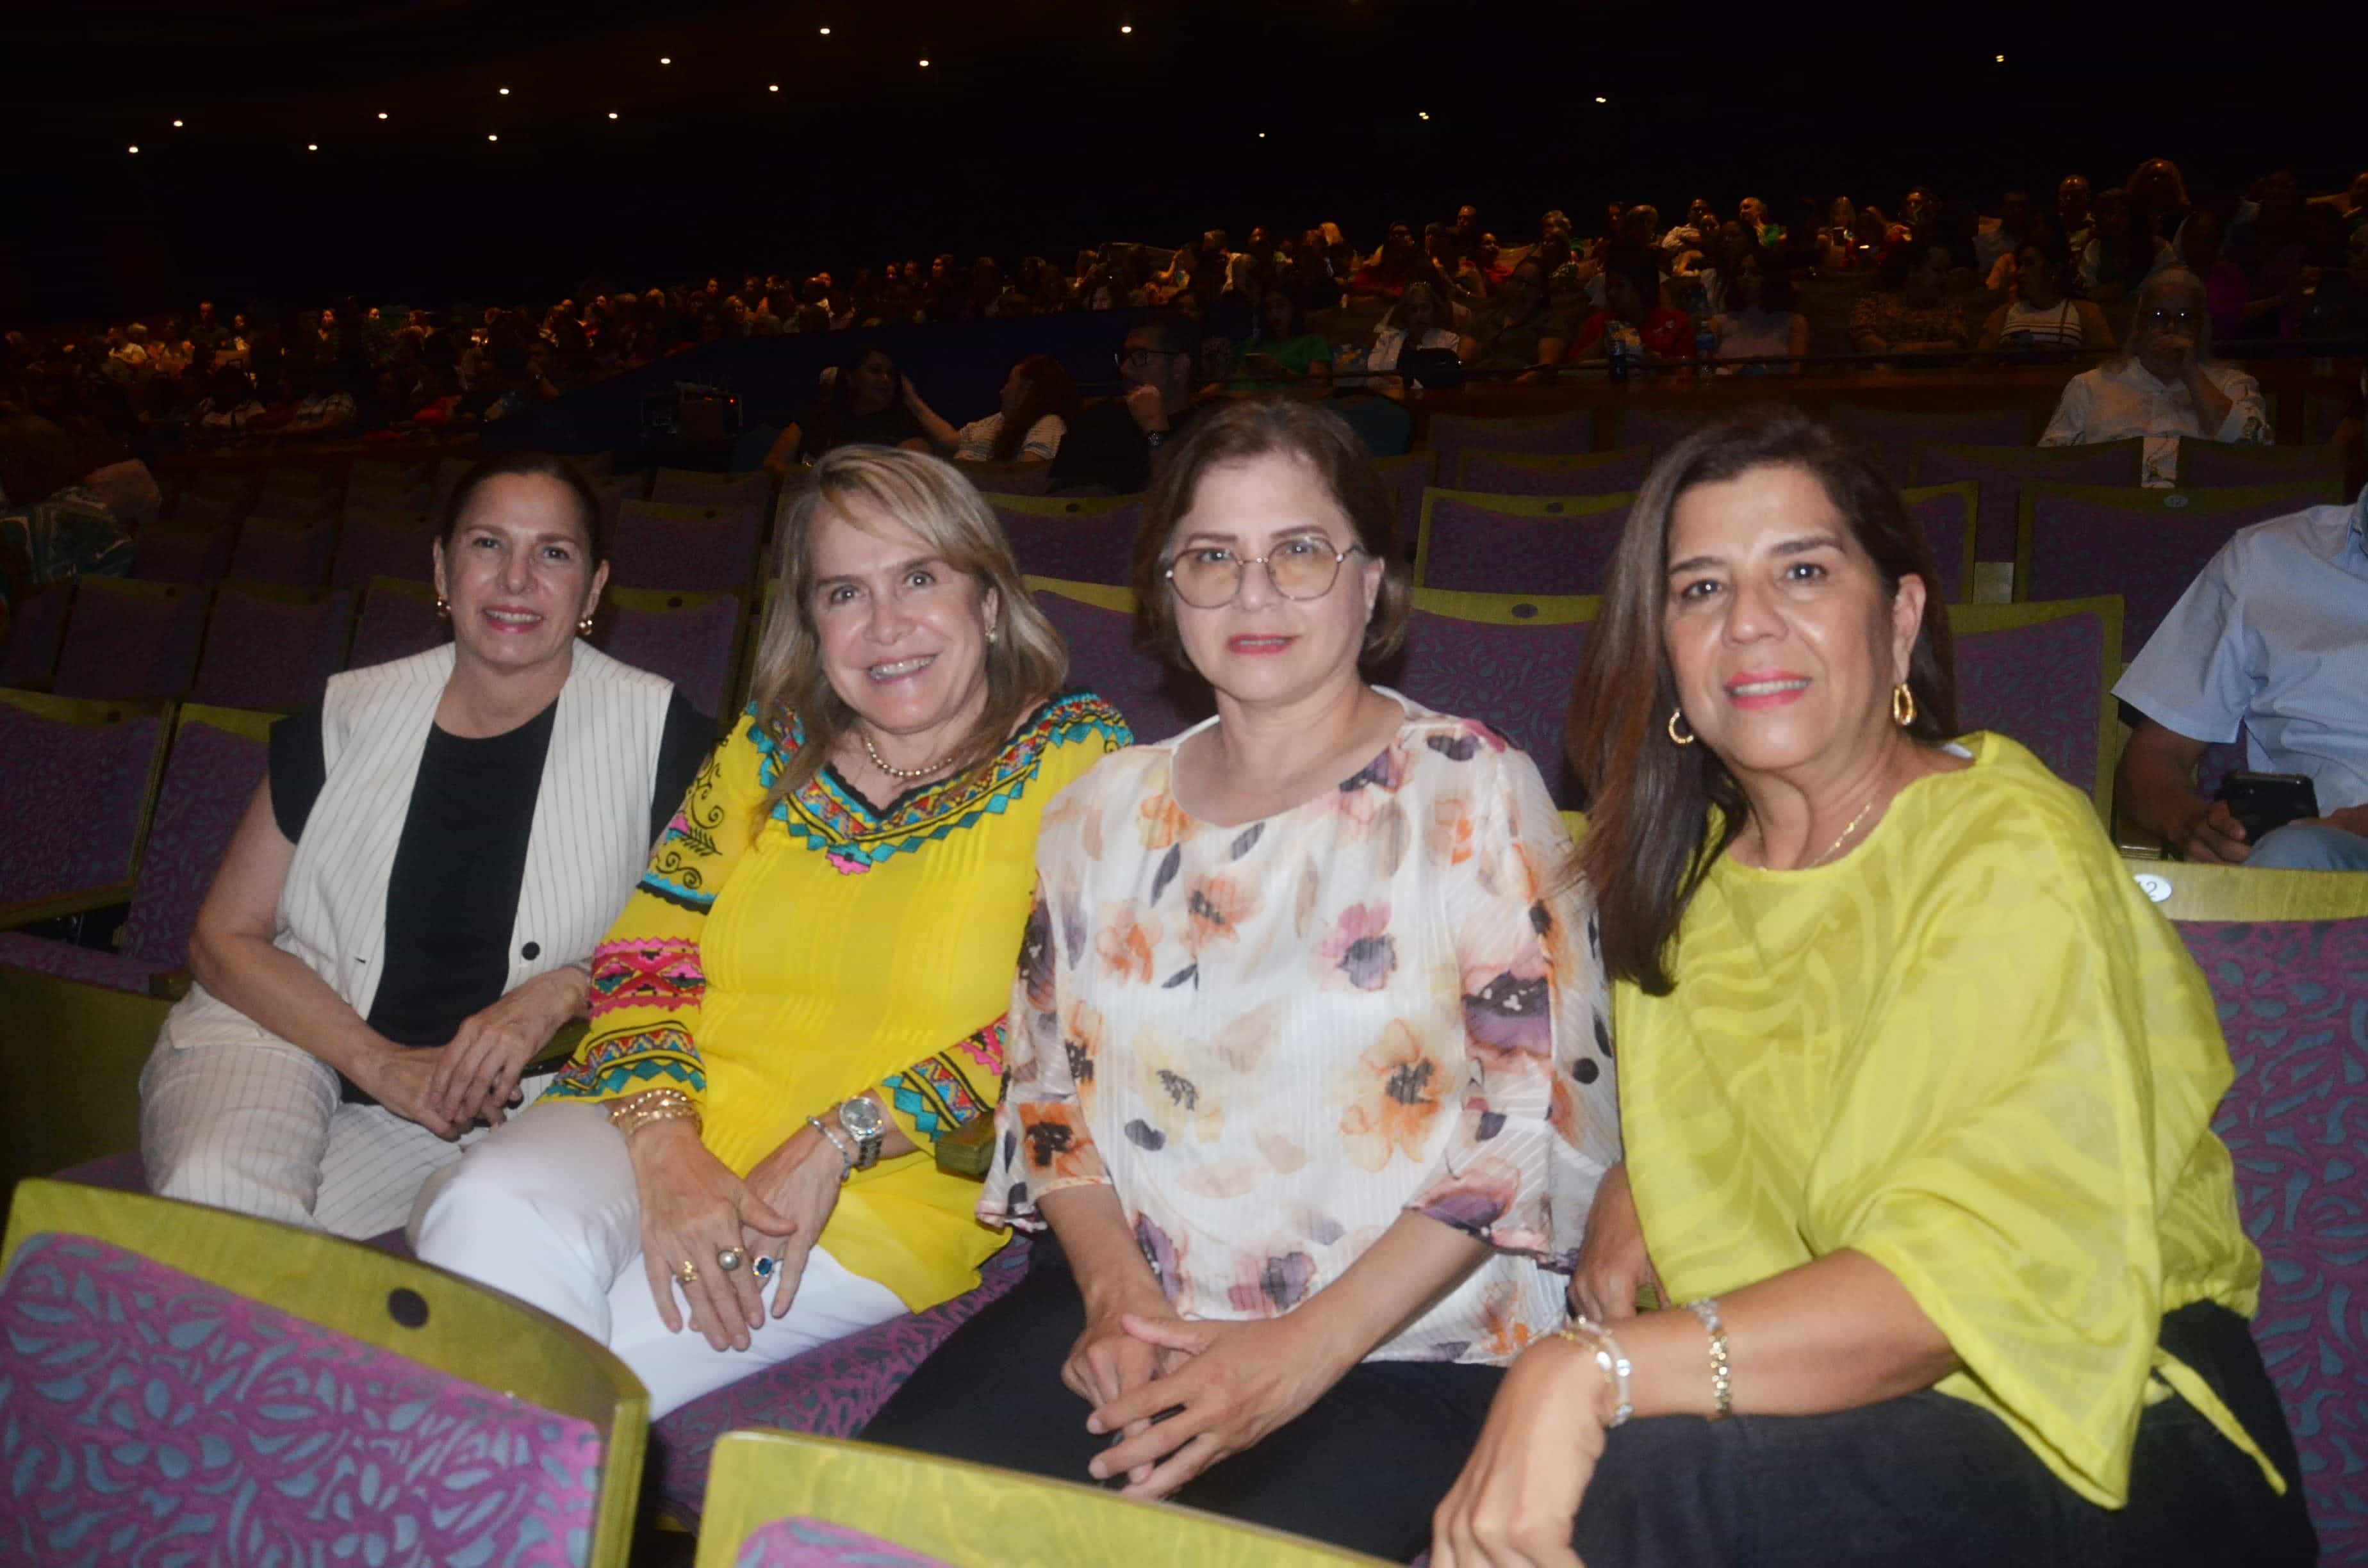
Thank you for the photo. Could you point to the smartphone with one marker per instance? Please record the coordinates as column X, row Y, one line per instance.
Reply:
column 2267, row 802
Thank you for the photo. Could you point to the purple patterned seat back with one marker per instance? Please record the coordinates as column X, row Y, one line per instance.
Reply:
column 689, row 644
column 394, row 625
column 1658, row 429
column 393, row 484
column 88, row 966
column 832, row 1389
column 70, row 800
column 1158, row 699
column 292, row 556
column 2041, row 685
column 1407, row 477
column 655, row 548
column 1476, row 548
column 2293, row 1003
column 132, row 641
column 1515, row 680
column 1896, row 434
column 1449, row 434
column 1999, row 474
column 2147, row 550
column 1092, row 547
column 209, row 776
column 140, row 1404
column 37, row 626
column 271, row 655
column 2207, row 463
column 383, row 544
column 2217, row 762
column 1503, row 473
column 168, row 553
column 1032, row 479
column 802, row 1542
column 741, row 492
column 1942, row 520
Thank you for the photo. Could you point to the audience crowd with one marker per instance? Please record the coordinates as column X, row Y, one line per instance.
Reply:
column 1939, row 277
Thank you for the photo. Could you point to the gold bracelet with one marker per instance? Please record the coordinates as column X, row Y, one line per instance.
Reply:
column 640, row 1119
column 1722, row 1375
column 648, row 1099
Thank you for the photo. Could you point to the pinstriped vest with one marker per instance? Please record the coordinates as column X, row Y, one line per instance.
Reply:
column 589, row 844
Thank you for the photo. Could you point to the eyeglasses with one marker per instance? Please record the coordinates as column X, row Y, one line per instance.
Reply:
column 2184, row 321
column 1210, row 577
column 1141, row 359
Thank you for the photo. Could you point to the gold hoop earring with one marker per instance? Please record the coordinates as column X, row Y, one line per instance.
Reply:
column 584, row 627
column 1903, row 705
column 443, row 609
column 1678, row 717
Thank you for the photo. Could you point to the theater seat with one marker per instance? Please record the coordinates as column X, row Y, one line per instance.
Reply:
column 692, row 639
column 1470, row 542
column 78, row 781
column 1547, row 473
column 1098, row 622
column 2039, row 674
column 249, row 1392
column 1507, row 660
column 272, row 648
column 132, row 641
column 1075, row 539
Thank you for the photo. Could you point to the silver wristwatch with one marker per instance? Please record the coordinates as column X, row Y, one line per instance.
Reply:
column 864, row 1121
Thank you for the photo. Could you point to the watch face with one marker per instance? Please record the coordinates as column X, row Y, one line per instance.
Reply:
column 862, row 1117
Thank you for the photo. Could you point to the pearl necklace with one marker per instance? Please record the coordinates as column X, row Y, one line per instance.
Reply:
column 938, row 766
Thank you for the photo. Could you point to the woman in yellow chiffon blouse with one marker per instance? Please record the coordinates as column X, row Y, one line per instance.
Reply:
column 1916, row 1091
column 807, row 988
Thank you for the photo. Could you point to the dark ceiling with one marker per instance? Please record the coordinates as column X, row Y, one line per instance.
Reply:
column 1036, row 126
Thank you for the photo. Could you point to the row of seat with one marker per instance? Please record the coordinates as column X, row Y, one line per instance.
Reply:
column 2285, row 953
column 263, row 646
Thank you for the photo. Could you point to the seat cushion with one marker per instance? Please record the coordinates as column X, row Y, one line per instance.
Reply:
column 138, row 1402
column 832, row 1391
column 92, row 966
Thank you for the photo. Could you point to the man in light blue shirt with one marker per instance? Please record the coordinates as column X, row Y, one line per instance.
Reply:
column 2272, row 639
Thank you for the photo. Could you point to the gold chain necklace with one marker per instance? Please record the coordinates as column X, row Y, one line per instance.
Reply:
column 1844, row 838
column 938, row 766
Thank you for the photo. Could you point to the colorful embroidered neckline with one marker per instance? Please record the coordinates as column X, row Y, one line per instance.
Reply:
column 829, row 816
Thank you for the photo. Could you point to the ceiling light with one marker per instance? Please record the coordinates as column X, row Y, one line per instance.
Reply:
column 826, row 32
column 612, row 114
column 774, row 89
column 924, row 65
column 492, row 136
column 1602, row 101
column 505, row 92
column 665, row 59
column 311, row 146
column 382, row 114
column 1262, row 135
column 2001, row 59
column 134, row 148
column 1125, row 28
column 1422, row 114
column 177, row 125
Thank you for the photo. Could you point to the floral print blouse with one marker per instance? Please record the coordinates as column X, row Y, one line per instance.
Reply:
column 1273, row 1039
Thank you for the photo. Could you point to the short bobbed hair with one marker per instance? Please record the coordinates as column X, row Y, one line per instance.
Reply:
column 1648, row 843
column 1259, row 428
column 1026, row 663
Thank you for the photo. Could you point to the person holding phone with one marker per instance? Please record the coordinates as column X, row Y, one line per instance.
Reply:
column 2268, row 644
column 2165, row 385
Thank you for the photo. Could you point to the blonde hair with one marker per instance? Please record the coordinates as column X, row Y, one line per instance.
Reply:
column 1026, row 660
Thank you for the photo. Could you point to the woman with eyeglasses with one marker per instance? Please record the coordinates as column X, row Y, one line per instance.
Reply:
column 1309, row 1071
column 2165, row 384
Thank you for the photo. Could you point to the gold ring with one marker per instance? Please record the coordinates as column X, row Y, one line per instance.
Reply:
column 688, row 1273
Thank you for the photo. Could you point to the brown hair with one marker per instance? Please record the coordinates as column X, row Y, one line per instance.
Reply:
column 528, row 464
column 1647, row 843
column 1257, row 427
column 1026, row 663
column 1049, row 390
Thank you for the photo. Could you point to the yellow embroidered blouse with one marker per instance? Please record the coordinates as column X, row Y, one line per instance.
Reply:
column 772, row 964
column 1970, row 1050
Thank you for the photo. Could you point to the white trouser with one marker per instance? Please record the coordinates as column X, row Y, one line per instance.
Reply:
column 546, row 1209
column 257, row 1126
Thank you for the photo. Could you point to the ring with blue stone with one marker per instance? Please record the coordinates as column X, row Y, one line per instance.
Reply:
column 764, row 1266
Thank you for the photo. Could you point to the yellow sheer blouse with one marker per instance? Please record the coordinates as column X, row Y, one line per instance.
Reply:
column 1972, row 1052
column 771, row 963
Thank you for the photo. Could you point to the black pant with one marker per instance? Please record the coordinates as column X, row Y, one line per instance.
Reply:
column 1935, row 1482
column 1926, row 1480
column 1362, row 1467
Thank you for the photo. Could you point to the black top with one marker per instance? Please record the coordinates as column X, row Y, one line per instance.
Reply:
column 451, row 897
column 1107, row 452
column 820, row 427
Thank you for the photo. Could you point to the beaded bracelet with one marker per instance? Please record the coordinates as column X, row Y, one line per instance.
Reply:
column 1595, row 1340
column 629, row 1116
column 846, row 1155
column 1722, row 1376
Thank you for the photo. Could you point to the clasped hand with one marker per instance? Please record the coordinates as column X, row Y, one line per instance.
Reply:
column 1221, row 1388
column 694, row 1208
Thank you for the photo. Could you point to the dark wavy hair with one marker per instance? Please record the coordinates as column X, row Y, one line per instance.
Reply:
column 1648, row 843
column 1050, row 390
column 541, row 465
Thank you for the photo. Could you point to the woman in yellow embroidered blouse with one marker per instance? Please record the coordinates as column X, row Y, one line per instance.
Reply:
column 1308, row 1072
column 806, row 989
column 1916, row 1091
